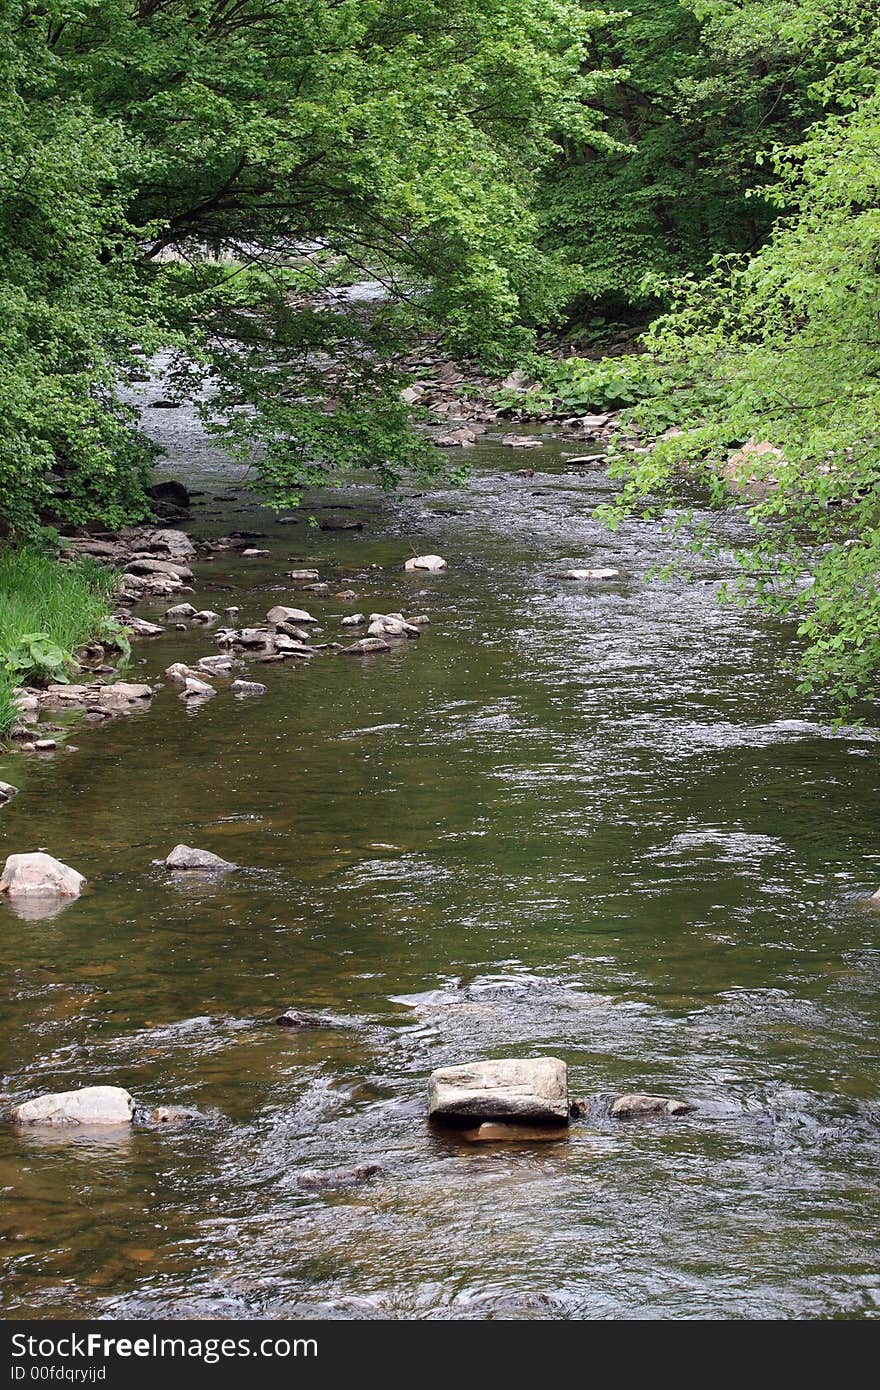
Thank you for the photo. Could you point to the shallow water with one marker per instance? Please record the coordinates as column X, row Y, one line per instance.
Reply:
column 593, row 821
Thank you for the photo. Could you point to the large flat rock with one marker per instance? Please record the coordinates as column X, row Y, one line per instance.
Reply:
column 93, row 1105
column 533, row 1089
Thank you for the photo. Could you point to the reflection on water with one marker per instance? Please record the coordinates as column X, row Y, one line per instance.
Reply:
column 591, row 820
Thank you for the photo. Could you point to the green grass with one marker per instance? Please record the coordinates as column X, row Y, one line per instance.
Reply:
column 47, row 609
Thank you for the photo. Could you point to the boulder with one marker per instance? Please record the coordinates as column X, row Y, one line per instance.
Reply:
column 366, row 646
column 206, row 615
column 354, row 620
column 303, row 576
column 600, row 573
column 282, row 614
column 180, row 612
column 7, row 792
column 122, row 693
column 150, row 565
column 420, row 620
column 39, row 875
column 426, row 562
column 141, row 628
column 632, row 1107
column 530, row 1089
column 183, row 857
column 170, row 492
column 45, row 745
column 246, row 688
column 93, row 1105
column 252, row 553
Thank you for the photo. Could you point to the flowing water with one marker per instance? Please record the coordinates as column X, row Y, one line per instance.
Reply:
column 586, row 820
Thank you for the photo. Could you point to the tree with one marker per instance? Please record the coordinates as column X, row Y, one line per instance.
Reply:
column 783, row 348
column 292, row 140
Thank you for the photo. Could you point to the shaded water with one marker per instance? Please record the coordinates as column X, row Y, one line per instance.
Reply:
column 589, row 821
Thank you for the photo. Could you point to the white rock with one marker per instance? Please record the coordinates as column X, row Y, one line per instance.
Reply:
column 28, row 706
column 206, row 615
column 533, row 1089
column 303, row 576
column 426, row 562
column 39, row 875
column 7, row 792
column 93, row 1105
column 252, row 552
column 600, row 573
column 246, row 688
column 183, row 857
column 281, row 614
column 354, row 620
column 180, row 612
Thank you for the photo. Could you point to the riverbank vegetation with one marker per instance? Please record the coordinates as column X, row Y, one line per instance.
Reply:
column 197, row 176
column 47, row 610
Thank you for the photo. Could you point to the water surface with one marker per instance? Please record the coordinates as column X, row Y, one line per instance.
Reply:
column 592, row 821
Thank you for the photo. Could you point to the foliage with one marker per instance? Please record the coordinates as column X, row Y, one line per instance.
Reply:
column 784, row 346
column 701, row 87
column 47, row 610
column 183, row 171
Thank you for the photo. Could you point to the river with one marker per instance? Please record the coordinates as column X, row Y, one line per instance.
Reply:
column 589, row 820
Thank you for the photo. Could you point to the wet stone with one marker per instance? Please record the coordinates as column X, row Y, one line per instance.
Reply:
column 296, row 1018
column 184, row 857
column 639, row 1105
column 330, row 1179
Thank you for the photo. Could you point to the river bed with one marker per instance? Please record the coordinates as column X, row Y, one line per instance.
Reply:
column 592, row 821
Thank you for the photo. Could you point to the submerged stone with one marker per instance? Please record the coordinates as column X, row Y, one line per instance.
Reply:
column 295, row 1018
column 492, row 1132
column 631, row 1107
column 316, row 1180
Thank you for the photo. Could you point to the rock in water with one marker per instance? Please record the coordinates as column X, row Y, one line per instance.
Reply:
column 180, row 612
column 7, row 792
column 244, row 688
column 366, row 646
column 633, row 1106
column 183, row 857
column 93, row 1105
column 603, row 572
column 282, row 614
column 492, row 1133
column 426, row 562
column 39, row 875
column 295, row 1018
column 532, row 1089
column 328, row 1179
